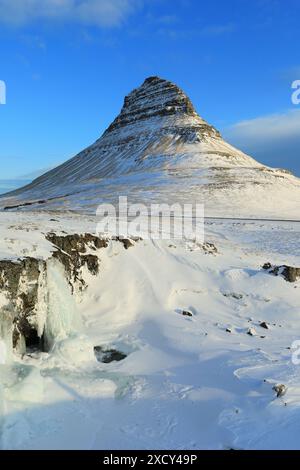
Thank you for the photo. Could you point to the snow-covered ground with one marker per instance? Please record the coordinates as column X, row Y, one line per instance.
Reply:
column 186, row 382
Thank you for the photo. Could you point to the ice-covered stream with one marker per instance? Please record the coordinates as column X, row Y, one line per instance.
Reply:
column 6, row 329
column 63, row 318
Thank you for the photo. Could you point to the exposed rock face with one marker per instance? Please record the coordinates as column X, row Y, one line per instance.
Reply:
column 107, row 356
column 186, row 313
column 233, row 295
column 251, row 332
column 209, row 248
column 77, row 243
column 71, row 251
column 289, row 273
column 280, row 390
column 264, row 325
column 158, row 97
column 20, row 281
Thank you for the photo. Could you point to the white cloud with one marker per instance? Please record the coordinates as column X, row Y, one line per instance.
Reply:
column 104, row 13
column 276, row 126
column 274, row 139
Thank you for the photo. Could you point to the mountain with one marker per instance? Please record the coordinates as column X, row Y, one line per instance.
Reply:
column 35, row 174
column 159, row 149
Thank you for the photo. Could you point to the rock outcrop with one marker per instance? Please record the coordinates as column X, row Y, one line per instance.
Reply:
column 107, row 355
column 161, row 98
column 72, row 252
column 289, row 273
column 20, row 282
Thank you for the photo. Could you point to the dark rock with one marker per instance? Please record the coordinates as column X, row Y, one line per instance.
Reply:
column 92, row 263
column 264, row 325
column 34, row 202
column 186, row 313
column 19, row 280
column 125, row 242
column 107, row 356
column 233, row 295
column 267, row 266
column 209, row 248
column 280, row 390
column 78, row 243
column 146, row 102
column 71, row 253
column 251, row 332
column 289, row 273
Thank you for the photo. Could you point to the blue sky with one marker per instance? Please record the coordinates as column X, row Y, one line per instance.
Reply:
column 67, row 65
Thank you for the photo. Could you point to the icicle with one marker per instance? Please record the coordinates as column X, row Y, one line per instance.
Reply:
column 63, row 318
column 42, row 300
column 6, row 330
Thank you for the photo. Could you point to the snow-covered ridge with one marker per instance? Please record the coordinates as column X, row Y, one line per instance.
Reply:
column 159, row 149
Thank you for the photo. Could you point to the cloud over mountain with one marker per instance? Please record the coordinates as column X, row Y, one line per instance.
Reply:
column 273, row 139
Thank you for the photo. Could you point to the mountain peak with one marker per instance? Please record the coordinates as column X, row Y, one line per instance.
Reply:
column 159, row 149
column 156, row 97
column 154, row 78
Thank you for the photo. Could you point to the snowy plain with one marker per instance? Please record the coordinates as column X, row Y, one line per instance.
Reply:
column 197, row 382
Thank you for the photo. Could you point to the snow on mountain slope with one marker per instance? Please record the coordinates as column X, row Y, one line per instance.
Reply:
column 158, row 149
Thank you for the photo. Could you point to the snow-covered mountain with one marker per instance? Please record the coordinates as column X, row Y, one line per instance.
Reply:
column 151, row 344
column 159, row 149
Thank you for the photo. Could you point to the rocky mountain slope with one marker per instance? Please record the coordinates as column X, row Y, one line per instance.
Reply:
column 159, row 150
